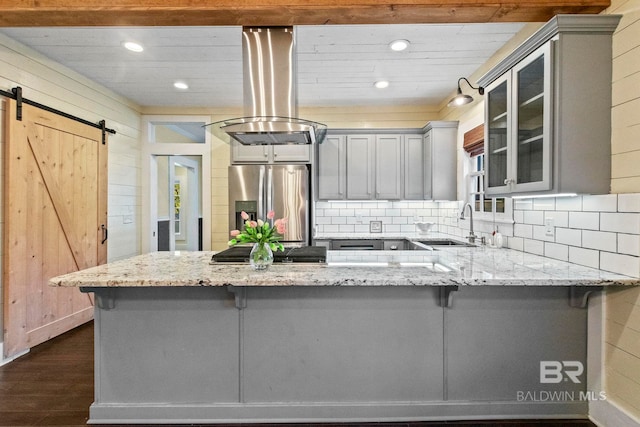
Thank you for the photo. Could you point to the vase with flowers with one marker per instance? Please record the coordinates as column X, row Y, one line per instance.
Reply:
column 265, row 236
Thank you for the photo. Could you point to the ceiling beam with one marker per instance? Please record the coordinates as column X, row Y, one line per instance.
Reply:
column 41, row 13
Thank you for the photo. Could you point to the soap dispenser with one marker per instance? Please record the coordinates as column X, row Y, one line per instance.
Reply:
column 497, row 239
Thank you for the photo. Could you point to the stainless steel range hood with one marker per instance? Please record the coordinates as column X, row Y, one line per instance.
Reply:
column 270, row 92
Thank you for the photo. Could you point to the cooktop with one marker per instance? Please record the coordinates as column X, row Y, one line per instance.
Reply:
column 308, row 254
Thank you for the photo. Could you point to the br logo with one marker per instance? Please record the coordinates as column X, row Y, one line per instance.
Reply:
column 554, row 372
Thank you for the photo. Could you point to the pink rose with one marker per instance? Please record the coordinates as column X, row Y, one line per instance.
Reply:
column 271, row 214
column 253, row 224
column 277, row 222
column 281, row 228
column 234, row 233
column 244, row 215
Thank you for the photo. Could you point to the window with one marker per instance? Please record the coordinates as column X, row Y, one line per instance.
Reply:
column 488, row 209
column 476, row 193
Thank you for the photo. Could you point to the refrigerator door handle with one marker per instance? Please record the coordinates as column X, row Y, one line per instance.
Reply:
column 269, row 206
column 260, row 211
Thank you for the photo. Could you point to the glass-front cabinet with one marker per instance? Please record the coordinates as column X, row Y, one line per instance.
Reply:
column 518, row 117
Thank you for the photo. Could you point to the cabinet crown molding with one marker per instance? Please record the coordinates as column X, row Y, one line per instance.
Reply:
column 559, row 24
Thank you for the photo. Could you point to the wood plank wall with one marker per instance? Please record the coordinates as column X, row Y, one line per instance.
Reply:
column 52, row 84
column 622, row 326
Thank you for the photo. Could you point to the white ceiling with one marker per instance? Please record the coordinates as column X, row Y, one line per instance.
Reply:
column 337, row 65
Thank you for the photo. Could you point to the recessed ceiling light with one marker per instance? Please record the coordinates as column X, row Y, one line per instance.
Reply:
column 381, row 84
column 132, row 46
column 399, row 45
column 181, row 85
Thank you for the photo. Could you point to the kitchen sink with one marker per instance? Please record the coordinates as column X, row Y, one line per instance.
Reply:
column 445, row 242
column 377, row 245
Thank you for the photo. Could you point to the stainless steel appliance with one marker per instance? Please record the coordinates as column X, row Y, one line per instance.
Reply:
column 257, row 189
column 270, row 92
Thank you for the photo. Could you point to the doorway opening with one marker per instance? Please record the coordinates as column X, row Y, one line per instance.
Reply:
column 177, row 179
column 179, row 206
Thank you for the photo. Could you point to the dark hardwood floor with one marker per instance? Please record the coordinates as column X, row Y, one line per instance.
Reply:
column 53, row 386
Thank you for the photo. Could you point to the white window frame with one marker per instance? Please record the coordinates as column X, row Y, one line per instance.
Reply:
column 505, row 217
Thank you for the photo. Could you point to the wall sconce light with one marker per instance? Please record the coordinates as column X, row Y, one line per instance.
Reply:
column 460, row 98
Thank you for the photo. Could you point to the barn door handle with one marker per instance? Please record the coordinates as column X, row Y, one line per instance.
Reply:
column 105, row 234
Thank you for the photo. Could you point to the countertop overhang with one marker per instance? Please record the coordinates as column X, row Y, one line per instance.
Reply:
column 480, row 266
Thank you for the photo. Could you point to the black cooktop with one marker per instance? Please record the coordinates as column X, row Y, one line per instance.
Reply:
column 309, row 254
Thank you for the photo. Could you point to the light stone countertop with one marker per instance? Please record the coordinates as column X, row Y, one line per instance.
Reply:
column 462, row 266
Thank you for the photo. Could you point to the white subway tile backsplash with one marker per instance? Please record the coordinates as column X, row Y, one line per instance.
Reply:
column 556, row 251
column 523, row 204
column 330, row 228
column 518, row 217
column 629, row 244
column 569, row 203
column 534, row 217
column 346, row 228
column 523, row 230
column 620, row 222
column 516, row 243
column 568, row 236
column 618, row 263
column 601, row 231
column 391, row 228
column 600, row 203
column 361, row 228
column 545, row 204
column 540, row 233
column 534, row 246
column 347, row 212
column 400, row 220
column 584, row 220
column 560, row 218
column 599, row 240
column 629, row 202
column 587, row 257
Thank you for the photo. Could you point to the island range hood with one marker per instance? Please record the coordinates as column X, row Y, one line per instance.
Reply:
column 270, row 89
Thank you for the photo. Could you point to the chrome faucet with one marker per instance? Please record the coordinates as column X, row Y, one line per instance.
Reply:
column 472, row 236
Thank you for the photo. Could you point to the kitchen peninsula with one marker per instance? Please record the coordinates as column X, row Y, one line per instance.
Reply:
column 455, row 333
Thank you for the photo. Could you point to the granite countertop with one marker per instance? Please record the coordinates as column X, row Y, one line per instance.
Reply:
column 462, row 266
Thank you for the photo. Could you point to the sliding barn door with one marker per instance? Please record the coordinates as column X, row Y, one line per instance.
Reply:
column 55, row 208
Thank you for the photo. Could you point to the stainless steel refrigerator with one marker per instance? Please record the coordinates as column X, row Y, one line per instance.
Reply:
column 285, row 189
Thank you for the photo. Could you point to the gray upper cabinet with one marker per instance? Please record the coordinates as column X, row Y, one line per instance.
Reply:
column 414, row 167
column 332, row 168
column 388, row 171
column 548, row 111
column 389, row 166
column 269, row 153
column 440, row 170
column 360, row 167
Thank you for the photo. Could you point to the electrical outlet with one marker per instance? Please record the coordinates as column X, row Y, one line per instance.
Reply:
column 375, row 226
column 548, row 227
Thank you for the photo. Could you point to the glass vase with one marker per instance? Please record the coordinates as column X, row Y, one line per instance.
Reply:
column 261, row 256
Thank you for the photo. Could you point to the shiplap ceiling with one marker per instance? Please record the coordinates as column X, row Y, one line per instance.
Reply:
column 337, row 65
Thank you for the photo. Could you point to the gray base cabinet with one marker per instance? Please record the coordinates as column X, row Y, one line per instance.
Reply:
column 491, row 353
column 181, row 355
